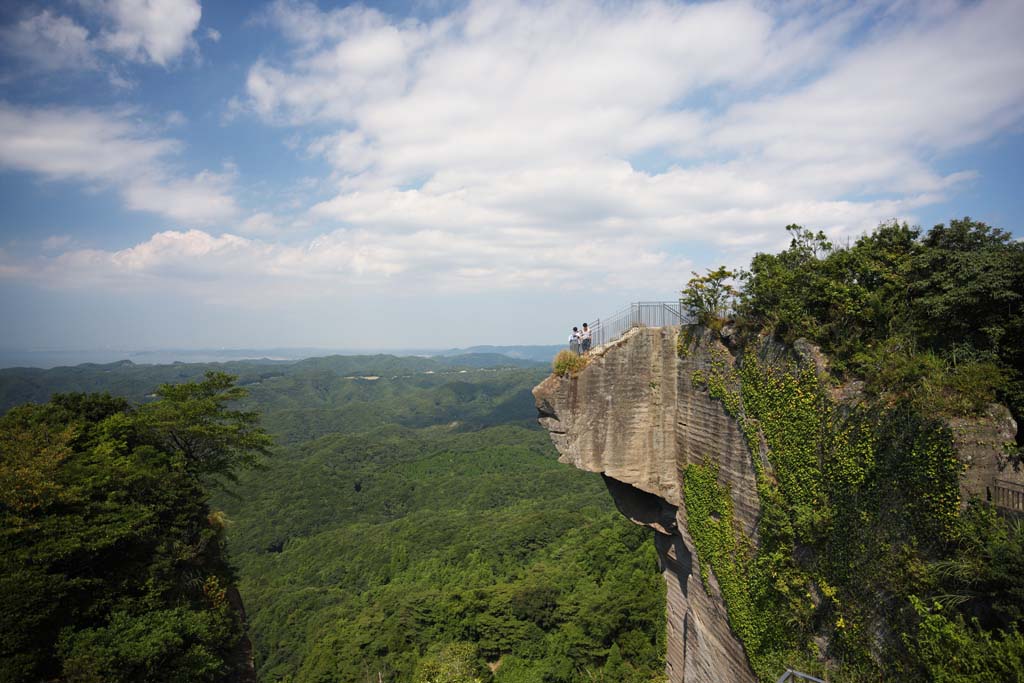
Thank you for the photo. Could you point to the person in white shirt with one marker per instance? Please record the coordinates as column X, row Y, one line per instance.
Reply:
column 574, row 340
column 585, row 338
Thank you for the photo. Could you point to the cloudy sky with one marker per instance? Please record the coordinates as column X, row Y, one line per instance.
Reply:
column 177, row 173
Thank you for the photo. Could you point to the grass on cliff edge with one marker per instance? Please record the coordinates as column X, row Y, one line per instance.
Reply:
column 567, row 363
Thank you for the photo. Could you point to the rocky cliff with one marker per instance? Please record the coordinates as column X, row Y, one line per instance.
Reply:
column 638, row 415
column 634, row 415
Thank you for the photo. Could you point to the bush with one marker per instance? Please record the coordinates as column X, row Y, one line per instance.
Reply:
column 567, row 363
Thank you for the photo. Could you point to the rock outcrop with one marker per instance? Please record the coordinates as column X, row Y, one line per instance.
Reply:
column 634, row 415
column 990, row 473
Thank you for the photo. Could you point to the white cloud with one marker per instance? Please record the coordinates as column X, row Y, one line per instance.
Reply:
column 54, row 242
column 144, row 31
column 261, row 223
column 112, row 150
column 253, row 272
column 686, row 126
column 149, row 30
column 200, row 200
column 49, row 42
column 175, row 119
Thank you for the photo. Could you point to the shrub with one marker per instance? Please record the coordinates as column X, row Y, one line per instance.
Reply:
column 567, row 363
column 710, row 298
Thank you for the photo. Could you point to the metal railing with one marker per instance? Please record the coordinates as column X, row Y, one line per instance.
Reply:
column 1008, row 495
column 639, row 314
column 791, row 675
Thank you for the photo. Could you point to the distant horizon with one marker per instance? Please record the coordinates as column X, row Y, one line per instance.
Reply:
column 52, row 358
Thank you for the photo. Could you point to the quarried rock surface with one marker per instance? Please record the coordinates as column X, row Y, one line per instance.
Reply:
column 634, row 415
column 990, row 473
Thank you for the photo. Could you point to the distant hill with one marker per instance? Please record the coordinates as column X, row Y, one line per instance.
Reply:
column 541, row 354
column 137, row 381
column 49, row 358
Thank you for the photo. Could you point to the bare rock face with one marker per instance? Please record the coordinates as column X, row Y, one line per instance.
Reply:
column 634, row 415
column 990, row 474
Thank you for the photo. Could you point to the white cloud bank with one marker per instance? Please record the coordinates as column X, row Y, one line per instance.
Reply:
column 238, row 270
column 580, row 143
column 679, row 124
column 143, row 31
column 110, row 149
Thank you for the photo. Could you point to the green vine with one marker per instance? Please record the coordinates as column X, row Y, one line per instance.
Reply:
column 829, row 484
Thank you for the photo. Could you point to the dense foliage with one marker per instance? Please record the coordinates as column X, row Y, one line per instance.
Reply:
column 709, row 298
column 425, row 545
column 414, row 524
column 111, row 561
column 937, row 317
column 869, row 565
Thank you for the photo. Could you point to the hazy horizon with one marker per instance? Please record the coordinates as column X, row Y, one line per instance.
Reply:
column 51, row 358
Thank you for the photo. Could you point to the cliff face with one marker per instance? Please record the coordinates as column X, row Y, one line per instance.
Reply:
column 637, row 415
column 634, row 415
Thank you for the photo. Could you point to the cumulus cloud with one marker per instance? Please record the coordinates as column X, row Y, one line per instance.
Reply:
column 687, row 125
column 110, row 149
column 148, row 30
column 247, row 270
column 144, row 31
column 260, row 223
column 49, row 42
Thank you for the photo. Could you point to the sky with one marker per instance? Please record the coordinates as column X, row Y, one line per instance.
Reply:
column 186, row 174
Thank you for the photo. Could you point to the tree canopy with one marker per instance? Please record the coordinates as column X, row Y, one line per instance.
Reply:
column 112, row 565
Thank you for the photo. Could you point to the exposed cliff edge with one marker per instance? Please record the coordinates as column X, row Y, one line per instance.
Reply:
column 638, row 415
column 634, row 415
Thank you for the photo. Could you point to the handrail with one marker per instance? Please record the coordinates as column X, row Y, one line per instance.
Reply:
column 790, row 674
column 637, row 314
column 1008, row 495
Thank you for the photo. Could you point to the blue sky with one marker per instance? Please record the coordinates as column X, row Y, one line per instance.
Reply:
column 177, row 173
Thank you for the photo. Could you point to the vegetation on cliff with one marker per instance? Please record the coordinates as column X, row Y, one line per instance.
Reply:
column 112, row 566
column 869, row 566
column 568, row 363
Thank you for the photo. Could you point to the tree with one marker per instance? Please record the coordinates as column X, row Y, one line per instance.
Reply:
column 451, row 663
column 710, row 297
column 193, row 423
column 112, row 566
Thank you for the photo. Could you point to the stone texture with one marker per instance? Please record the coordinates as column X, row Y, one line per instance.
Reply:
column 634, row 415
column 980, row 446
column 618, row 416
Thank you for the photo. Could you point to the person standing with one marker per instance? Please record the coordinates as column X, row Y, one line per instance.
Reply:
column 585, row 338
column 574, row 340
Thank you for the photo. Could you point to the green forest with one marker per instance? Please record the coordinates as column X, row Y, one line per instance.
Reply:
column 411, row 523
column 871, row 565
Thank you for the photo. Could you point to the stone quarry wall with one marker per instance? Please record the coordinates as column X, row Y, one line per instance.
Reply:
column 634, row 415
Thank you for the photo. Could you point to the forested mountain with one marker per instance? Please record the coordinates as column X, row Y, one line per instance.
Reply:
column 414, row 525
column 137, row 381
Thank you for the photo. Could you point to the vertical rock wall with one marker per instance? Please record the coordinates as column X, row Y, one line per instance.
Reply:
column 634, row 415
